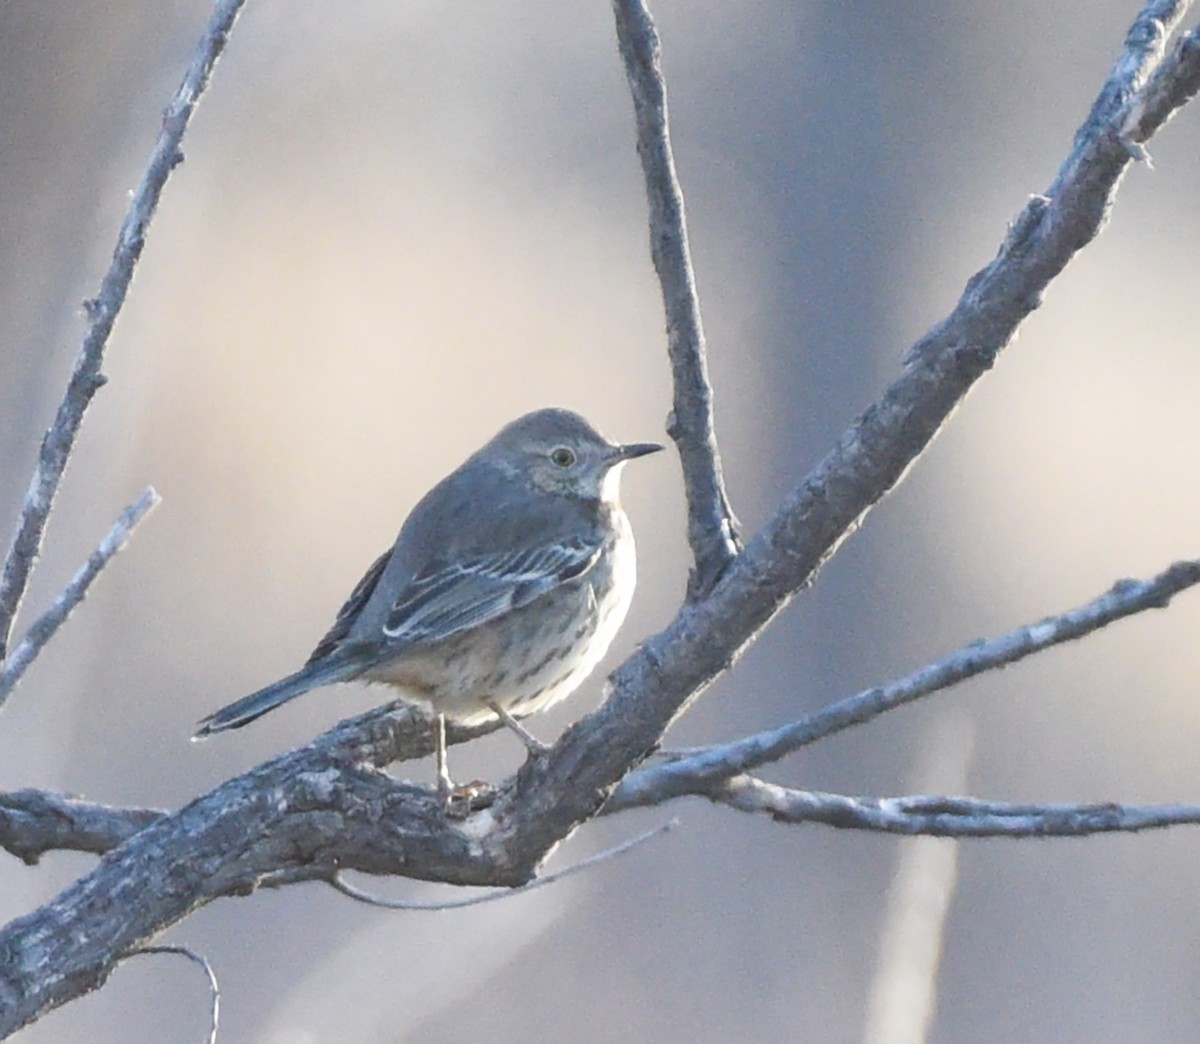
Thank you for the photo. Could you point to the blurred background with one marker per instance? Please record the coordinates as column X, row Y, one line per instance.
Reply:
column 402, row 224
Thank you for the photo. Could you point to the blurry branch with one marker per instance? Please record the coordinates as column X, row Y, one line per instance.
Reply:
column 902, row 999
column 214, row 989
column 712, row 527
column 700, row 768
column 312, row 813
column 945, row 816
column 47, row 625
column 102, row 310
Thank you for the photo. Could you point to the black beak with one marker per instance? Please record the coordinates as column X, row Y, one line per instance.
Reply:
column 636, row 449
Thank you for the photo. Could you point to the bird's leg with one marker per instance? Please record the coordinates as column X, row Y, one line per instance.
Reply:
column 460, row 801
column 445, row 784
column 532, row 744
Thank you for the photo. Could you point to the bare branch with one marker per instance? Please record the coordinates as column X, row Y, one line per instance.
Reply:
column 214, row 989
column 1074, row 209
column 298, row 817
column 946, row 816
column 700, row 766
column 339, row 883
column 712, row 527
column 47, row 625
column 33, row 822
column 102, row 310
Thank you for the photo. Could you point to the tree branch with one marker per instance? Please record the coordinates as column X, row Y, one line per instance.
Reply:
column 34, row 822
column 945, row 816
column 695, row 772
column 302, row 816
column 1053, row 227
column 102, row 310
column 47, row 625
column 712, row 527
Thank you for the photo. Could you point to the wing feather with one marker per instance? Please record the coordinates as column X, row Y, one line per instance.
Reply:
column 457, row 596
column 349, row 612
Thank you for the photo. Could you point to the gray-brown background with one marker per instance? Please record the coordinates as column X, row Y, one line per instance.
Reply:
column 400, row 225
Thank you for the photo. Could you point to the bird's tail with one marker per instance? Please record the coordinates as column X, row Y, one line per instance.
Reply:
column 248, row 708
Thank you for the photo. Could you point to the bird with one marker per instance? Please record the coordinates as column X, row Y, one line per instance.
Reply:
column 504, row 589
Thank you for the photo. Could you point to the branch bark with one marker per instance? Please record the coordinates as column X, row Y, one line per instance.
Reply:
column 712, row 528
column 34, row 822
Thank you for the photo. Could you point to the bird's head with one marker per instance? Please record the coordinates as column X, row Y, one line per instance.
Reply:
column 559, row 452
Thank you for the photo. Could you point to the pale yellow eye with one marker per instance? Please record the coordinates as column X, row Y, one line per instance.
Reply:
column 563, row 456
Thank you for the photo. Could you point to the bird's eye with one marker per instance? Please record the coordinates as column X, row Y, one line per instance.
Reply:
column 563, row 456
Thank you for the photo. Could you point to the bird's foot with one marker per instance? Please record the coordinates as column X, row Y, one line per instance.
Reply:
column 462, row 800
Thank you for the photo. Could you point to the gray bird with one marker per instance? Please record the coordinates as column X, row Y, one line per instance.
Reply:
column 503, row 591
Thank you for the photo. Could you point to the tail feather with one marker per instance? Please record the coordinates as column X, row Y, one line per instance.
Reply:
column 248, row 708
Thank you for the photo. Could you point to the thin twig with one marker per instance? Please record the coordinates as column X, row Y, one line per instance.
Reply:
column 214, row 989
column 102, row 310
column 712, row 527
column 338, row 882
column 46, row 625
column 660, row 782
column 933, row 816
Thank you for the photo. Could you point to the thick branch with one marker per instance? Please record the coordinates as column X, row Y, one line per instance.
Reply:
column 695, row 773
column 302, row 816
column 102, row 310
column 311, row 813
column 712, row 527
column 34, row 822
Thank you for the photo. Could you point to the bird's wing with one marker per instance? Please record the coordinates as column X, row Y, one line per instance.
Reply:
column 349, row 612
column 455, row 596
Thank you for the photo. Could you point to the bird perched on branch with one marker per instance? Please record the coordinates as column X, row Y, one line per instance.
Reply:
column 502, row 592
